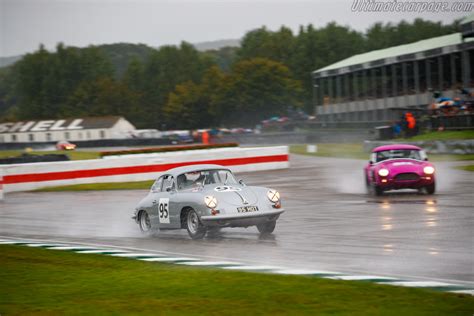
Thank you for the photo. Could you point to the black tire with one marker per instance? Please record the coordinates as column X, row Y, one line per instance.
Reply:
column 195, row 228
column 144, row 222
column 367, row 184
column 378, row 191
column 430, row 189
column 266, row 228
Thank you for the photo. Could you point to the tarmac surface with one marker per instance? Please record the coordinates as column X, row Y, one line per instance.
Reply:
column 330, row 223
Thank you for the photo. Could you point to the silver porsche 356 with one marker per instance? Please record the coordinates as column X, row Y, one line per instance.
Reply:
column 202, row 198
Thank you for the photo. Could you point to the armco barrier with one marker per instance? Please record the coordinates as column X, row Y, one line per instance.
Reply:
column 24, row 177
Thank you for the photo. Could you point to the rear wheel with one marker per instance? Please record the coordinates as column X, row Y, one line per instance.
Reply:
column 144, row 222
column 430, row 189
column 196, row 229
column 266, row 228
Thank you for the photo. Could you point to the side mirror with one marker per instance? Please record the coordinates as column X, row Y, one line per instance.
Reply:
column 426, row 159
column 371, row 162
column 241, row 182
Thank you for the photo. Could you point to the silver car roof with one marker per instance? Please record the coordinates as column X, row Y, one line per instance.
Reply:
column 193, row 168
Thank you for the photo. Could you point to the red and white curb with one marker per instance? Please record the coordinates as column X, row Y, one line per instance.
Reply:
column 235, row 266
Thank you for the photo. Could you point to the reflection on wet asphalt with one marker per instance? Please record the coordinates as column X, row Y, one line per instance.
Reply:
column 330, row 223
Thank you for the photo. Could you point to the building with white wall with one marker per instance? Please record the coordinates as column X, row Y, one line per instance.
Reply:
column 73, row 129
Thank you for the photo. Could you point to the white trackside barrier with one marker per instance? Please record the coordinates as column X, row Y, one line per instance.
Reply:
column 1, row 185
column 25, row 177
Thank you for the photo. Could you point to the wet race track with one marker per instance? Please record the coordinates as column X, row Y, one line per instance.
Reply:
column 330, row 223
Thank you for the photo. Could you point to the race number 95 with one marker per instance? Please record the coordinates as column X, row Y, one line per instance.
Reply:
column 163, row 209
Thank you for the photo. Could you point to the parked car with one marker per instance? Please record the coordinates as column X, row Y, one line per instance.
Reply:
column 394, row 167
column 203, row 198
column 65, row 145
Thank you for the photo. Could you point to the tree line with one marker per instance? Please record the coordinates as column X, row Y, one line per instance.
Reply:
column 180, row 87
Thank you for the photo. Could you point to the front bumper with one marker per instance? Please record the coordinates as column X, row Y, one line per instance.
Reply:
column 241, row 220
column 393, row 184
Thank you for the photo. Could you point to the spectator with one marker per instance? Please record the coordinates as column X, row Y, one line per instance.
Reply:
column 411, row 124
column 396, row 129
column 205, row 138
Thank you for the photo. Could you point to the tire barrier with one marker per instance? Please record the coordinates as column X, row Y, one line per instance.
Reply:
column 26, row 158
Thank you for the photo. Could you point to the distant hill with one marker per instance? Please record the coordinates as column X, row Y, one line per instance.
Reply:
column 122, row 53
column 214, row 45
column 7, row 61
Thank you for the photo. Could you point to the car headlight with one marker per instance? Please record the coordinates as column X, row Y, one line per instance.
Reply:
column 210, row 201
column 428, row 170
column 383, row 172
column 273, row 196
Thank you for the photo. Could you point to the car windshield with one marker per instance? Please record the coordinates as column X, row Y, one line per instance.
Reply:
column 196, row 179
column 398, row 154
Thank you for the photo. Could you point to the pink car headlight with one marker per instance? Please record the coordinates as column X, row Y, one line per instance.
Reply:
column 383, row 172
column 428, row 170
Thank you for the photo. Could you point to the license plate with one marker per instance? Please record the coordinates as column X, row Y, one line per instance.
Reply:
column 246, row 209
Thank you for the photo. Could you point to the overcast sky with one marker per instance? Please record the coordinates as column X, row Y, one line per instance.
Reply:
column 24, row 24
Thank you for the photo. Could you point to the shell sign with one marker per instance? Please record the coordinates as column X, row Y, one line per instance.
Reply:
column 40, row 126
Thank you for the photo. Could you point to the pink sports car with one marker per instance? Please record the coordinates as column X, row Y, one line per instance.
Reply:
column 394, row 167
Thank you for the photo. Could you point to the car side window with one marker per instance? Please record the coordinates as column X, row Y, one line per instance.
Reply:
column 157, row 185
column 373, row 157
column 423, row 155
column 168, row 182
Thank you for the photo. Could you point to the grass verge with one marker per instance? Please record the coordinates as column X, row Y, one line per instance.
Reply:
column 40, row 281
column 73, row 155
column 136, row 185
column 444, row 135
column 355, row 151
column 467, row 168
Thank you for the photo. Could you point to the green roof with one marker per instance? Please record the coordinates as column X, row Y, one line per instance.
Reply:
column 420, row 46
column 468, row 19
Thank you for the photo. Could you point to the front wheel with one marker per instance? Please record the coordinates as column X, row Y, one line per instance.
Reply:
column 430, row 189
column 378, row 190
column 196, row 229
column 367, row 184
column 144, row 222
column 266, row 228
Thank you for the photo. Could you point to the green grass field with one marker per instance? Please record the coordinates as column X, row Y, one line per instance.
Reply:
column 48, row 282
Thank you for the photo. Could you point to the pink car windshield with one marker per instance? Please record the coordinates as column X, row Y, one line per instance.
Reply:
column 398, row 154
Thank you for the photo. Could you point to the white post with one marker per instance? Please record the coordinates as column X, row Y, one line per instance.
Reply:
column 312, row 149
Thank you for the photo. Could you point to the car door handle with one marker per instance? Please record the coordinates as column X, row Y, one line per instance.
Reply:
column 154, row 202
